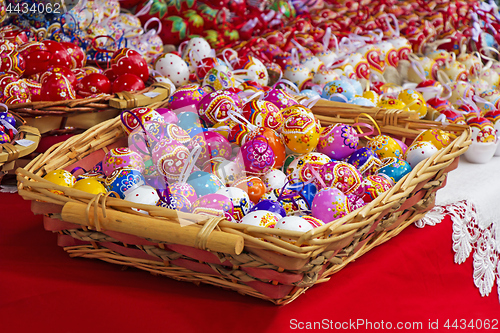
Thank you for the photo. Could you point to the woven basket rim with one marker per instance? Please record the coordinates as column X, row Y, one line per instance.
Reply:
column 307, row 243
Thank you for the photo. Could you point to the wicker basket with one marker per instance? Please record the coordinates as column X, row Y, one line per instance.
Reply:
column 81, row 114
column 250, row 260
column 12, row 153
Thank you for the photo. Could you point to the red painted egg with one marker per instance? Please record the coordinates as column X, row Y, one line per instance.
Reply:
column 76, row 53
column 35, row 89
column 59, row 55
column 129, row 61
column 94, row 83
column 61, row 70
column 12, row 62
column 57, row 88
column 5, row 79
column 36, row 57
column 127, row 82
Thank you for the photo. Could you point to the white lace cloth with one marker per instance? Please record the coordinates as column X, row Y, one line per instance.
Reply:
column 471, row 198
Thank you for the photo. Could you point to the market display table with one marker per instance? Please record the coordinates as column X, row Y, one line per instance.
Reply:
column 411, row 278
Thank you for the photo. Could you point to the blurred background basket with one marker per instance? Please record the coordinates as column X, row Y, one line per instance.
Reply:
column 250, row 260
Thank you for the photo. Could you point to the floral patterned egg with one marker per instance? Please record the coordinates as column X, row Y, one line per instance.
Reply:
column 330, row 204
column 122, row 157
column 355, row 202
column 482, row 130
column 302, row 168
column 130, row 119
column 365, row 160
column 272, row 206
column 57, row 87
column 293, row 202
column 186, row 98
column 372, row 96
column 296, row 110
column 263, row 114
column 271, row 138
column 213, row 145
column 280, row 98
column 240, row 200
column 395, row 168
column 205, row 65
column 185, row 190
column 419, row 151
column 214, row 107
column 338, row 91
column 436, row 136
column 492, row 96
column 313, row 63
column 301, row 133
column 385, row 146
column 124, row 179
column 274, row 179
column 459, row 91
column 338, row 141
column 341, row 175
column 375, row 185
column 219, row 78
column 414, row 100
column 257, row 156
column 204, row 183
column 253, row 186
column 169, row 157
column 260, row 218
column 214, row 205
column 16, row 92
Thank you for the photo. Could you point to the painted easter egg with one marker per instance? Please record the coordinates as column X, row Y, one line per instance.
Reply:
column 385, row 146
column 124, row 179
column 260, row 218
column 169, row 157
column 341, row 175
column 186, row 98
column 272, row 206
column 274, row 179
column 213, row 205
column 329, row 204
column 240, row 200
column 301, row 133
column 375, row 185
column 215, row 107
column 253, row 186
column 395, row 168
column 302, row 168
column 204, row 183
column 213, row 145
column 131, row 118
column 338, row 141
column 419, row 151
column 122, row 157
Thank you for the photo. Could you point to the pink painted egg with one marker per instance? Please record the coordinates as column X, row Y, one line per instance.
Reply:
column 375, row 185
column 169, row 157
column 263, row 114
column 122, row 157
column 258, row 156
column 303, row 168
column 186, row 98
column 213, row 145
column 329, row 204
column 214, row 205
column 214, row 107
column 185, row 190
column 341, row 175
column 130, row 119
column 280, row 98
column 338, row 141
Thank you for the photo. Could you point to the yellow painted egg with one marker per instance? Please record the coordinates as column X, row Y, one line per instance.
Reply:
column 372, row 96
column 385, row 146
column 61, row 178
column 437, row 137
column 90, row 185
column 414, row 100
column 392, row 103
column 301, row 133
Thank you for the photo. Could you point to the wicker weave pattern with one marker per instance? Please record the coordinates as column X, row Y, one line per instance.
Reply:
column 268, row 267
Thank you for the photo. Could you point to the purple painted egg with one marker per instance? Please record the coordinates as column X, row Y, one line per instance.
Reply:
column 214, row 205
column 330, row 204
column 258, row 156
column 213, row 145
column 365, row 160
column 338, row 141
column 169, row 157
column 214, row 107
column 186, row 98
column 185, row 190
column 124, row 179
column 272, row 206
column 122, row 157
column 177, row 202
column 293, row 202
column 280, row 98
column 341, row 175
column 355, row 202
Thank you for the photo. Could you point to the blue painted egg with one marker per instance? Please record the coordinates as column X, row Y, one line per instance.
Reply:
column 308, row 191
column 124, row 179
column 394, row 168
column 204, row 183
column 272, row 206
column 338, row 91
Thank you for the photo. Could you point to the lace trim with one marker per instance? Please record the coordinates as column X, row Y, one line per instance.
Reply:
column 469, row 238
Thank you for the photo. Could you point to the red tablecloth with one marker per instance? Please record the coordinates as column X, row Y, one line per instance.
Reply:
column 412, row 278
